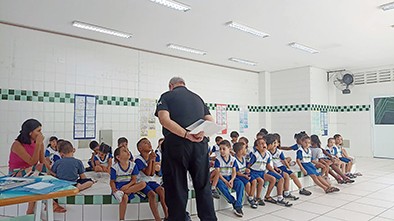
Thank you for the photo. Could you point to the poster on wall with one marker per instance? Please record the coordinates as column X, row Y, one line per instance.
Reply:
column 147, row 118
column 315, row 122
column 221, row 117
column 84, row 116
column 243, row 118
column 324, row 123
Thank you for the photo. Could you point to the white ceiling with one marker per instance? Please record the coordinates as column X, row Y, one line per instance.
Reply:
column 349, row 34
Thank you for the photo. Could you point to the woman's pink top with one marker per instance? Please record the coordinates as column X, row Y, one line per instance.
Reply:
column 16, row 162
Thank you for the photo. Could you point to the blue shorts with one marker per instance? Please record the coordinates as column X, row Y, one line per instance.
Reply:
column 246, row 181
column 277, row 176
column 257, row 174
column 344, row 159
column 285, row 170
column 310, row 169
column 150, row 186
column 120, row 185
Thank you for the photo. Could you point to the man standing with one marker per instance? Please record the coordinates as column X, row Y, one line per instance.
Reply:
column 182, row 151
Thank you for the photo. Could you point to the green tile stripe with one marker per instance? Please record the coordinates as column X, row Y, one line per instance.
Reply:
column 36, row 96
column 117, row 101
column 211, row 106
column 62, row 97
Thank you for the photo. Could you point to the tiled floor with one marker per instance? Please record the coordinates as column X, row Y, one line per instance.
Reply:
column 371, row 197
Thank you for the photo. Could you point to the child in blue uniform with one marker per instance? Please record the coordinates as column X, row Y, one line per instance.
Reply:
column 226, row 167
column 123, row 142
column 282, row 164
column 124, row 179
column 103, row 159
column 259, row 158
column 304, row 162
column 214, row 177
column 243, row 173
column 270, row 140
column 51, row 153
column 94, row 146
column 148, row 165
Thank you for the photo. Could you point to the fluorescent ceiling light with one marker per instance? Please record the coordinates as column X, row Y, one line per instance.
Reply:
column 387, row 6
column 173, row 4
column 247, row 29
column 243, row 61
column 91, row 27
column 303, row 48
column 186, row 49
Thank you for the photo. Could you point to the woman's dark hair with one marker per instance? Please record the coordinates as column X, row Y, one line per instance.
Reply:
column 105, row 148
column 27, row 127
column 315, row 140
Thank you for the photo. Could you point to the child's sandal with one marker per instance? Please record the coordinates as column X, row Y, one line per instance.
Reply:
column 270, row 200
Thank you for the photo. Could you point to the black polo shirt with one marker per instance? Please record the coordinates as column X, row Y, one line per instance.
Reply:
column 184, row 106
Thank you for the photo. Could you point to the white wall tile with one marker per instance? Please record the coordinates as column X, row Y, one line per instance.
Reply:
column 110, row 212
column 74, row 212
column 91, row 212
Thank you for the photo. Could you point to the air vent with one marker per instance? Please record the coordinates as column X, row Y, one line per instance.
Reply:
column 384, row 76
column 371, row 77
column 359, row 78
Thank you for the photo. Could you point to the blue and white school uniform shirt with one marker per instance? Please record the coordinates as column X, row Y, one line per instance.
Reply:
column 216, row 149
column 305, row 156
column 123, row 176
column 241, row 164
column 296, row 147
column 226, row 168
column 259, row 162
column 103, row 162
column 52, row 154
column 277, row 158
column 142, row 164
column 333, row 151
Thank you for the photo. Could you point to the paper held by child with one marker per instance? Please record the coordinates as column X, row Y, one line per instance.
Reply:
column 209, row 127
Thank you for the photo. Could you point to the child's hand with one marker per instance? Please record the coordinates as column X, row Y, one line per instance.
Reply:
column 247, row 176
column 157, row 166
column 247, row 170
column 304, row 172
column 230, row 184
column 152, row 155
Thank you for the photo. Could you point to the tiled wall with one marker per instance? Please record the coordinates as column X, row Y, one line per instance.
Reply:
column 49, row 69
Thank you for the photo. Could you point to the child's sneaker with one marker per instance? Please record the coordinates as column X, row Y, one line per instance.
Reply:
column 292, row 197
column 260, row 202
column 252, row 203
column 238, row 212
column 282, row 202
column 305, row 192
column 215, row 194
column 118, row 195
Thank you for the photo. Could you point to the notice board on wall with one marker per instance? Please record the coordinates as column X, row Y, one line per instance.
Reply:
column 84, row 116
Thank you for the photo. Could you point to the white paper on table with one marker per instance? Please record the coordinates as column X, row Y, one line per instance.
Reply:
column 209, row 127
column 40, row 185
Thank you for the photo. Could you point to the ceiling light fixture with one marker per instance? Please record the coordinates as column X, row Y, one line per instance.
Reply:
column 186, row 49
column 247, row 29
column 173, row 4
column 243, row 61
column 387, row 6
column 91, row 27
column 303, row 48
